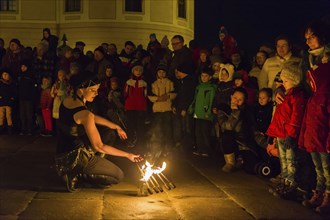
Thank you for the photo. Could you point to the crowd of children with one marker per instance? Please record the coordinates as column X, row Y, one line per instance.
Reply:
column 216, row 104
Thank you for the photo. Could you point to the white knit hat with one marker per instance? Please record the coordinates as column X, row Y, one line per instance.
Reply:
column 292, row 72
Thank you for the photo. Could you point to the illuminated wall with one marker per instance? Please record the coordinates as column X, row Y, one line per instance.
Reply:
column 98, row 21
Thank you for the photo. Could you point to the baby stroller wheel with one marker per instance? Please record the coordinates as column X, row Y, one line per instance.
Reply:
column 265, row 170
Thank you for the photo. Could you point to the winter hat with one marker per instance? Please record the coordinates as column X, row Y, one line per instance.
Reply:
column 16, row 41
column 153, row 35
column 162, row 66
column 165, row 42
column 114, row 79
column 207, row 70
column 216, row 59
column 291, row 72
column 241, row 74
column 185, row 68
column 136, row 64
column 223, row 30
column 229, row 68
column 26, row 63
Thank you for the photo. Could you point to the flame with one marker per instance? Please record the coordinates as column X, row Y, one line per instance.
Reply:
column 149, row 169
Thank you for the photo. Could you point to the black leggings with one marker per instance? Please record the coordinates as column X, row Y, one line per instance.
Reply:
column 102, row 171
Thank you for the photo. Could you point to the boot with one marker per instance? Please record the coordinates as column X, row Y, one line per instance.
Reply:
column 315, row 201
column 230, row 163
column 325, row 206
column 71, row 182
column 10, row 130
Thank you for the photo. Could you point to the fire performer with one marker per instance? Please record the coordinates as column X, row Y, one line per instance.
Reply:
column 79, row 139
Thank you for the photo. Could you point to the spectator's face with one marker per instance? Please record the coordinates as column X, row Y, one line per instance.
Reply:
column 311, row 40
column 205, row 77
column 138, row 71
column 129, row 49
column 222, row 37
column 216, row 67
column 13, row 46
column 46, row 34
column 236, row 58
column 5, row 76
column 216, row 51
column 60, row 75
column 203, row 57
column 98, row 55
column 68, row 54
column 176, row 44
column 45, row 81
column 24, row 68
column 224, row 75
column 260, row 59
column 287, row 83
column 114, row 85
column 161, row 74
column 112, row 50
column 80, row 47
column 282, row 48
column 264, row 99
column 108, row 72
column 237, row 99
column 238, row 82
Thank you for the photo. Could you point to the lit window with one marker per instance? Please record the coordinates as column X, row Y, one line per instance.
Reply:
column 72, row 5
column 182, row 8
column 133, row 5
column 7, row 5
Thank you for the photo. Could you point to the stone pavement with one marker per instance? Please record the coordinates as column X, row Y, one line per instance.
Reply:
column 30, row 189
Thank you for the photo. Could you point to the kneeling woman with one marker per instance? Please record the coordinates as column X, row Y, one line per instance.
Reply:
column 79, row 139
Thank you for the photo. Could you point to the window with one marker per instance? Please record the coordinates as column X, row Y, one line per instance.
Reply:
column 7, row 5
column 133, row 5
column 72, row 5
column 182, row 8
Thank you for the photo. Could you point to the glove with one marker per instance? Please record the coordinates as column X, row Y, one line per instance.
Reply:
column 290, row 143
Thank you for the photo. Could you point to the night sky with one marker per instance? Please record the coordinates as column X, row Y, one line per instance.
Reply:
column 252, row 22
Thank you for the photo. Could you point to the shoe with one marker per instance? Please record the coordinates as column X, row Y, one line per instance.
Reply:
column 204, row 155
column 314, row 201
column 287, row 193
column 46, row 134
column 325, row 206
column 71, row 182
column 196, row 153
column 277, row 179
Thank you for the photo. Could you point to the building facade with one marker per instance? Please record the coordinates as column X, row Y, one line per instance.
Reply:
column 96, row 21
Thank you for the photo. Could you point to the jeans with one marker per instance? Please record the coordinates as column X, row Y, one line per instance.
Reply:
column 288, row 162
column 322, row 167
column 5, row 112
column 26, row 114
column 203, row 135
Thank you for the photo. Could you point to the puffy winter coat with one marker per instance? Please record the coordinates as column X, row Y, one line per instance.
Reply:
column 7, row 93
column 315, row 130
column 288, row 115
column 162, row 87
column 135, row 93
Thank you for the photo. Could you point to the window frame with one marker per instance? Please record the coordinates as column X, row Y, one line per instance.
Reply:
column 185, row 9
column 133, row 12
column 15, row 6
column 65, row 7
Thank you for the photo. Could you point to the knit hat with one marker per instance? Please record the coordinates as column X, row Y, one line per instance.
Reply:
column 207, row 70
column 223, row 30
column 229, row 68
column 153, row 35
column 162, row 66
column 241, row 74
column 185, row 68
column 16, row 41
column 291, row 72
column 165, row 42
column 216, row 59
column 26, row 63
column 136, row 64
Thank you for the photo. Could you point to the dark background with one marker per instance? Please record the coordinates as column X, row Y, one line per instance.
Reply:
column 253, row 22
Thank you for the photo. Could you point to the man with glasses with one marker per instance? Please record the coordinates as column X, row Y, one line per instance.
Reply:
column 182, row 56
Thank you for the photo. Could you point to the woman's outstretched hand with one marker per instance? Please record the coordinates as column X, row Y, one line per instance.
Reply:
column 122, row 134
column 134, row 157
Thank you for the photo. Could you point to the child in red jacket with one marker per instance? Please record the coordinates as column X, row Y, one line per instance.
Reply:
column 46, row 102
column 285, row 126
